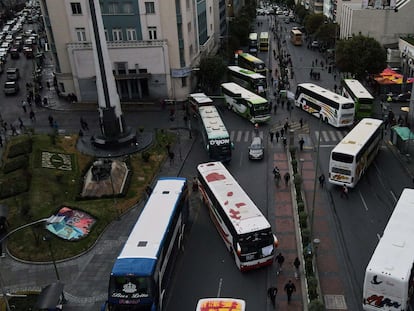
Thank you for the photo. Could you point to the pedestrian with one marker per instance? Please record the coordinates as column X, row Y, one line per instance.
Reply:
column 277, row 134
column 48, row 85
column 301, row 143
column 24, row 106
column 289, row 289
column 13, row 129
column 280, row 259
column 301, row 122
column 335, row 88
column 321, row 180
column 50, row 119
column 282, row 132
column 55, row 125
column 271, row 136
column 4, row 125
column 80, row 133
column 287, row 178
column 171, row 156
column 274, row 108
column 272, row 292
column 286, row 126
column 335, row 77
column 21, row 125
column 284, row 140
column 296, row 264
column 32, row 115
column 256, row 129
column 344, row 192
column 283, row 104
column 44, row 101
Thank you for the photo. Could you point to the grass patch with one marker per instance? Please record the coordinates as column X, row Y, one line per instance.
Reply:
column 48, row 189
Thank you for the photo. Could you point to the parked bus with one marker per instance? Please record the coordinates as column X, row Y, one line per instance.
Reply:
column 242, row 226
column 389, row 276
column 248, row 79
column 221, row 304
column 355, row 152
column 253, row 43
column 296, row 37
column 364, row 101
column 332, row 108
column 140, row 275
column 197, row 100
column 249, row 105
column 248, row 61
column 216, row 138
column 264, row 41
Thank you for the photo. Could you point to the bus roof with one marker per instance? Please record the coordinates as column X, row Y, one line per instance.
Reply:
column 356, row 88
column 296, row 32
column 200, row 98
column 142, row 247
column 239, row 208
column 394, row 255
column 246, row 72
column 221, row 304
column 213, row 123
column 253, row 36
column 264, row 35
column 250, row 58
column 326, row 93
column 245, row 94
column 355, row 139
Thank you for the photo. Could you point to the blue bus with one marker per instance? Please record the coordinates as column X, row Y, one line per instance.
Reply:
column 140, row 275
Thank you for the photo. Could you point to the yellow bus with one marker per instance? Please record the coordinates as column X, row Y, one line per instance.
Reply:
column 248, row 61
column 296, row 37
column 264, row 41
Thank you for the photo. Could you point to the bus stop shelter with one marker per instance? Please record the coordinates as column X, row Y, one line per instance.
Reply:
column 403, row 138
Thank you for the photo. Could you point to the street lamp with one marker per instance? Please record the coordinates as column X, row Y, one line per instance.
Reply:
column 50, row 220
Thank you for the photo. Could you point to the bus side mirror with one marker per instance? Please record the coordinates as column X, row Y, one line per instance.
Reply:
column 232, row 145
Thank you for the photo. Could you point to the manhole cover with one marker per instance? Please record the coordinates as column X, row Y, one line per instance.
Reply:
column 335, row 302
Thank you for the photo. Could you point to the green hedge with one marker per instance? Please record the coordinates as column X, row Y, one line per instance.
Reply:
column 15, row 183
column 20, row 146
column 13, row 164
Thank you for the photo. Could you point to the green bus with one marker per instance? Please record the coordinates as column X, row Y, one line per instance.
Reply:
column 248, row 79
column 248, row 61
column 364, row 101
column 249, row 105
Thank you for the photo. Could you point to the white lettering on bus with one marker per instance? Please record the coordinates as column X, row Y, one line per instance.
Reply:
column 220, row 142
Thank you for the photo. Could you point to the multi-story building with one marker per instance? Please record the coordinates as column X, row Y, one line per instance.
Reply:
column 154, row 45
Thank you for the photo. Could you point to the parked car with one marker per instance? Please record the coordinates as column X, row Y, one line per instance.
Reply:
column 11, row 87
column 403, row 97
column 14, row 53
column 315, row 44
column 13, row 74
column 256, row 149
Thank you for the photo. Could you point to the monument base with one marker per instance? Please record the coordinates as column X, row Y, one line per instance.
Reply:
column 109, row 143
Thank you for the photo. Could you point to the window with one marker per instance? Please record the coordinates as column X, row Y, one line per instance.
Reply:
column 149, row 8
column 131, row 34
column 106, row 34
column 152, row 31
column 113, row 8
column 183, row 82
column 121, row 68
column 76, row 8
column 127, row 8
column 117, row 34
column 189, row 27
column 80, row 34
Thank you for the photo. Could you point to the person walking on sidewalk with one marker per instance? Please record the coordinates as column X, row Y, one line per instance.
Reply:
column 287, row 178
column 289, row 289
column 344, row 192
column 271, row 136
column 296, row 264
column 322, row 180
column 277, row 134
column 301, row 143
column 280, row 259
column 272, row 292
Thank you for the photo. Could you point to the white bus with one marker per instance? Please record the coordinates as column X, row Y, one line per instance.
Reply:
column 352, row 156
column 221, row 304
column 364, row 101
column 264, row 41
column 216, row 138
column 249, row 105
column 334, row 109
column 389, row 276
column 242, row 226
column 196, row 100
column 140, row 275
column 248, row 79
column 253, row 43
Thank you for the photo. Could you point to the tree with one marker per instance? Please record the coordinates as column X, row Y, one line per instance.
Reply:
column 212, row 69
column 326, row 34
column 301, row 12
column 360, row 56
column 313, row 22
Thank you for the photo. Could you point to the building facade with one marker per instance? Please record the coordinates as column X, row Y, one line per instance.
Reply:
column 154, row 45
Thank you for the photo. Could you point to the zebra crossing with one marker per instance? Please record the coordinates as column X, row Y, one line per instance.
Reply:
column 327, row 137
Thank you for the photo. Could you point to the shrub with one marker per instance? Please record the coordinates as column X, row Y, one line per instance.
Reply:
column 312, row 288
column 316, row 305
column 19, row 147
column 13, row 164
column 301, row 206
column 298, row 179
column 303, row 219
column 15, row 183
column 292, row 150
column 294, row 166
column 145, row 156
column 309, row 266
column 306, row 234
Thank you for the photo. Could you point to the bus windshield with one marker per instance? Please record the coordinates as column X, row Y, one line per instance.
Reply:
column 341, row 157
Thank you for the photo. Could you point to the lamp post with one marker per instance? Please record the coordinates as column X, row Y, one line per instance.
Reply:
column 50, row 220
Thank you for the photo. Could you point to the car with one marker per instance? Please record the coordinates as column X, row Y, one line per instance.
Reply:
column 256, row 149
column 13, row 74
column 14, row 53
column 315, row 44
column 11, row 87
column 403, row 97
